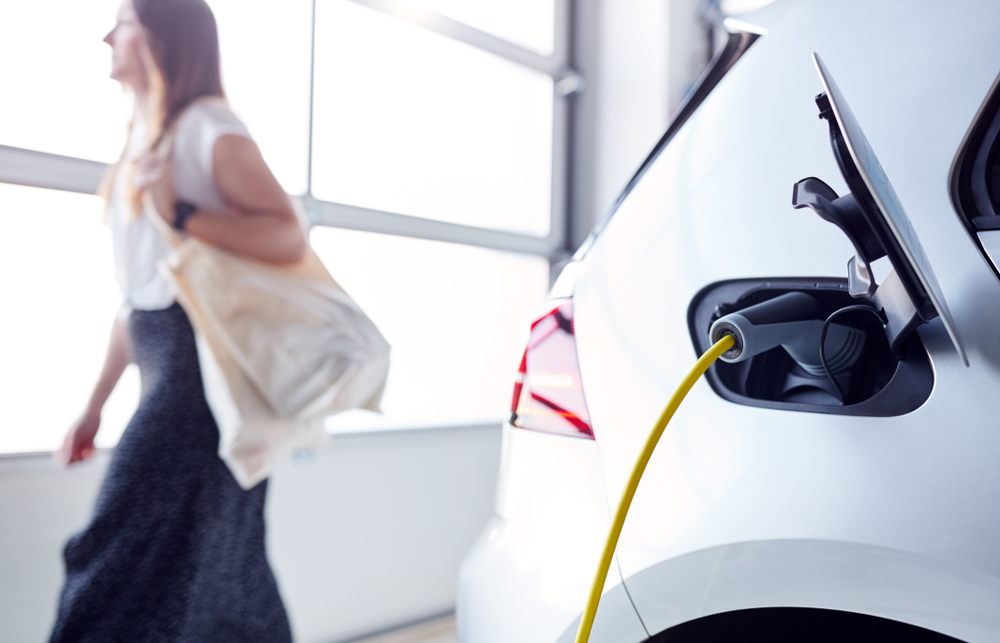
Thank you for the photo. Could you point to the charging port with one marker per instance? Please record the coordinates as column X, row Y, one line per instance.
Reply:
column 877, row 381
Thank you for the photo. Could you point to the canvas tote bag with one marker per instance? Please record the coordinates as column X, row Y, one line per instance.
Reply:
column 280, row 347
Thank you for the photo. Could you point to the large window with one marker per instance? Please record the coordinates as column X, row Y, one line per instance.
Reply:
column 265, row 67
column 426, row 138
column 57, row 96
column 529, row 23
column 411, row 121
column 454, row 315
column 59, row 301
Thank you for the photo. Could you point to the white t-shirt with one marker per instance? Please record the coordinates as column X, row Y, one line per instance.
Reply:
column 138, row 247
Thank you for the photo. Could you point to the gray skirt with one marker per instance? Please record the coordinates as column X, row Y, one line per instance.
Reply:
column 175, row 549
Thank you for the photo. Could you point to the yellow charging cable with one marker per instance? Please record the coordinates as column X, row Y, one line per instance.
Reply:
column 712, row 354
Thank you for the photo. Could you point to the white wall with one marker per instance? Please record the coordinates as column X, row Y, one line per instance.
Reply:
column 639, row 57
column 367, row 535
column 632, row 90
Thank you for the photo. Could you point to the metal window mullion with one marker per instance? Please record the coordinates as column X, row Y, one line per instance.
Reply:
column 312, row 98
column 559, row 167
column 451, row 28
column 53, row 171
column 561, row 121
column 340, row 215
column 563, row 36
column 41, row 169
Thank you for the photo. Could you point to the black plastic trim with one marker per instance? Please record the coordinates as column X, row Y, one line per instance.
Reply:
column 794, row 624
column 908, row 388
column 972, row 191
column 986, row 222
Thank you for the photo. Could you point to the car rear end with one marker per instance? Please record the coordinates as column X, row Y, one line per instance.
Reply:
column 751, row 507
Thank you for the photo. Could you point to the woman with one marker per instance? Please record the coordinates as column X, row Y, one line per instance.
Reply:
column 175, row 549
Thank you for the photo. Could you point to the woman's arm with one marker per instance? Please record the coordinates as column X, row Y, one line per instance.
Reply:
column 260, row 221
column 79, row 442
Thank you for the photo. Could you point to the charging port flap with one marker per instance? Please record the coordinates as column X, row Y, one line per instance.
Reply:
column 874, row 220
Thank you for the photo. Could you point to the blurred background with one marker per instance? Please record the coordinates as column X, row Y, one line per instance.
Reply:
column 451, row 155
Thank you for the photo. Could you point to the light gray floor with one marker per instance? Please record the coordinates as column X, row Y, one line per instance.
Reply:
column 437, row 631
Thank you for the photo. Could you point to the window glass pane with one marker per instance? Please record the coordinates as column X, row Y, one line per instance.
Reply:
column 529, row 23
column 265, row 49
column 453, row 314
column 60, row 299
column 412, row 122
column 57, row 96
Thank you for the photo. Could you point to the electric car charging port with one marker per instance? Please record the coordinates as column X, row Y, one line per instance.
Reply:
column 871, row 380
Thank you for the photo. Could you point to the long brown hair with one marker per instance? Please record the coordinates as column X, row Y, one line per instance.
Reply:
column 185, row 45
column 184, row 66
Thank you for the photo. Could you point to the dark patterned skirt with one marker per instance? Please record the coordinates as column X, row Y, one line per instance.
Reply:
column 175, row 550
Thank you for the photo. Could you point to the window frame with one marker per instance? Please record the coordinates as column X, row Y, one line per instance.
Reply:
column 971, row 180
column 34, row 168
column 42, row 169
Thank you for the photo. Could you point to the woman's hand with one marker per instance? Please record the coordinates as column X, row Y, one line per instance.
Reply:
column 153, row 180
column 78, row 444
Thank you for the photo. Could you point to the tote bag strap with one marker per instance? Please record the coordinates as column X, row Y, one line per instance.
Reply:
column 162, row 151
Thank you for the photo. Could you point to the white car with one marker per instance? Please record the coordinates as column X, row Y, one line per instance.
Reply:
column 782, row 503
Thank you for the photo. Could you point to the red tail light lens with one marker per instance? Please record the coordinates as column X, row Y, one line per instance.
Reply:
column 548, row 394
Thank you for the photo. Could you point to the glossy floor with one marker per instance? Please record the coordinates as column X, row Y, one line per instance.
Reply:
column 436, row 631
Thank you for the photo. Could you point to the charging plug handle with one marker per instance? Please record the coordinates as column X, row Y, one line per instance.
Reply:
column 845, row 213
column 795, row 321
column 762, row 326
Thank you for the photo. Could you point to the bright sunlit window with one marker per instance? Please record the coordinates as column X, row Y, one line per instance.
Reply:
column 453, row 315
column 529, row 23
column 265, row 69
column 60, row 300
column 412, row 122
column 404, row 120
column 57, row 96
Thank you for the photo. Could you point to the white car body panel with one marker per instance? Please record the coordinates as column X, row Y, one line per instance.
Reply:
column 743, row 507
column 538, row 555
column 919, row 590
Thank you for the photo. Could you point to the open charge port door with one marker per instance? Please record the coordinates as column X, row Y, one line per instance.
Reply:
column 789, row 353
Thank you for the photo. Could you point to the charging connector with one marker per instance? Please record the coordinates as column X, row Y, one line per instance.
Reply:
column 794, row 321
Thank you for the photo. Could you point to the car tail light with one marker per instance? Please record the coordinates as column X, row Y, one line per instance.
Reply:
column 548, row 394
